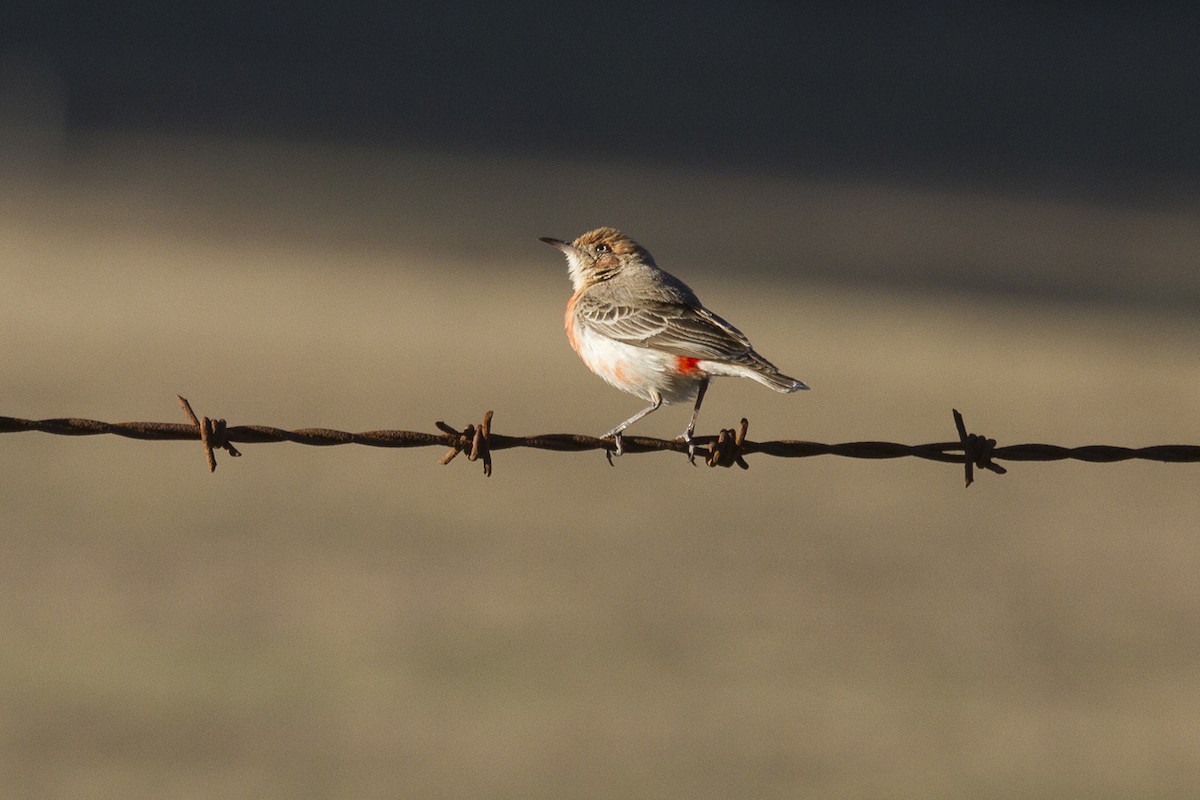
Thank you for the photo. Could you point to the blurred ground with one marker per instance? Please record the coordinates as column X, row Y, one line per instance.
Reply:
column 347, row 622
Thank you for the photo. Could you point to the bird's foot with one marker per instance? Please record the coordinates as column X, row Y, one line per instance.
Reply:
column 618, row 448
column 691, row 446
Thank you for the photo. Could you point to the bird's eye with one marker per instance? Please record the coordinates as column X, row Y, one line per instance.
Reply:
column 603, row 248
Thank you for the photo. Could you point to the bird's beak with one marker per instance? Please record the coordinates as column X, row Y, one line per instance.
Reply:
column 561, row 245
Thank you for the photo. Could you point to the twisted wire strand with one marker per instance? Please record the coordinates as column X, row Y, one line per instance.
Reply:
column 728, row 448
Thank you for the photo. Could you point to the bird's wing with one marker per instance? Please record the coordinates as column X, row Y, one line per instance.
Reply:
column 680, row 329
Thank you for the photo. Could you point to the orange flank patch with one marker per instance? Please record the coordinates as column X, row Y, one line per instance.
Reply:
column 686, row 365
column 567, row 322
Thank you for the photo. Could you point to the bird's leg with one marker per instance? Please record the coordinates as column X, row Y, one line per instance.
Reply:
column 655, row 402
column 691, row 428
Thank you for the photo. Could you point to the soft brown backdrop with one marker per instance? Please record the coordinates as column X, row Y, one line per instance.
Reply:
column 352, row 622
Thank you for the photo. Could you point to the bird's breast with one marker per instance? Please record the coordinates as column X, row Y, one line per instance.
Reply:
column 641, row 371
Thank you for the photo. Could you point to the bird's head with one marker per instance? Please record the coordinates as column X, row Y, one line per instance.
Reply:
column 599, row 254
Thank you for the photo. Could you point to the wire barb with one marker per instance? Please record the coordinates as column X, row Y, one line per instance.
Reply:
column 729, row 447
column 213, row 434
column 977, row 450
column 726, row 450
column 473, row 440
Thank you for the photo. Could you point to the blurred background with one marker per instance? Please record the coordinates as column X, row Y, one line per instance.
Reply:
column 328, row 216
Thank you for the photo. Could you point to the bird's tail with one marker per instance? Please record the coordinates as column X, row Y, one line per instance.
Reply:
column 769, row 375
column 778, row 381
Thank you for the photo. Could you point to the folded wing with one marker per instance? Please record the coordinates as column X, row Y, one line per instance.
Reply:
column 681, row 330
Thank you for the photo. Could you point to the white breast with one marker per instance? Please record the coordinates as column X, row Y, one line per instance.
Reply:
column 637, row 370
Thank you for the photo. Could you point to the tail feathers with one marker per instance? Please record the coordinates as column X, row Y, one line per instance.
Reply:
column 776, row 380
column 752, row 365
column 769, row 375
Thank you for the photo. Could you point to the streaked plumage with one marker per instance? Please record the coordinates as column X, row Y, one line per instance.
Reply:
column 645, row 332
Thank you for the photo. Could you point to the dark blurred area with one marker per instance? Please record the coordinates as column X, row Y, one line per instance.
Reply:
column 1074, row 99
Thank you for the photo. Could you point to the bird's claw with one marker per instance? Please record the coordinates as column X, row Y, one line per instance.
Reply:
column 691, row 447
column 618, row 448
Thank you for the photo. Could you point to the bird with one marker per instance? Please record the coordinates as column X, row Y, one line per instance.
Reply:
column 645, row 332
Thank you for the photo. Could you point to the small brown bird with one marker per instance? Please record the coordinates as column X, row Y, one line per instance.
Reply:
column 645, row 332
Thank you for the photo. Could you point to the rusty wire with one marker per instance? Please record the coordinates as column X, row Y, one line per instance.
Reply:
column 727, row 448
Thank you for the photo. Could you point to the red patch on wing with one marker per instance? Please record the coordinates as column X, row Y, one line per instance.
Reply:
column 686, row 365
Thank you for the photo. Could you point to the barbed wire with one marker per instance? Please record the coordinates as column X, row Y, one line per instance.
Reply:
column 728, row 448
